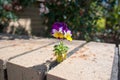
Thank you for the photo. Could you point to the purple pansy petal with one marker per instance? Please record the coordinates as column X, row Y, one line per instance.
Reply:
column 55, row 27
column 60, row 25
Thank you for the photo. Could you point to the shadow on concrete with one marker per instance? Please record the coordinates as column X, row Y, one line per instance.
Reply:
column 115, row 66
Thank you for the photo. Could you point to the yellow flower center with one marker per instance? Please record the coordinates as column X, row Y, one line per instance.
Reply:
column 58, row 35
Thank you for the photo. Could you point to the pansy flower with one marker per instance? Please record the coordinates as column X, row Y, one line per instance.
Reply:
column 60, row 31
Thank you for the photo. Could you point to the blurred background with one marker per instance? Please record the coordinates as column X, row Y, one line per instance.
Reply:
column 90, row 20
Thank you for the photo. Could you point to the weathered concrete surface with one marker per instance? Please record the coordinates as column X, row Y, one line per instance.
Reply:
column 4, row 44
column 94, row 61
column 33, row 65
column 8, row 43
column 21, row 47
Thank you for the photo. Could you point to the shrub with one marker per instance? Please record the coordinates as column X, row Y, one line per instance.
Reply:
column 80, row 15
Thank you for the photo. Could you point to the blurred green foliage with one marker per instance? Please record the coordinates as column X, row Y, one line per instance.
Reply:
column 112, row 30
column 88, row 19
column 80, row 15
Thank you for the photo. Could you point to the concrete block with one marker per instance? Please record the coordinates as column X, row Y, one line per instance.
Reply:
column 94, row 61
column 20, row 48
column 7, row 43
column 33, row 66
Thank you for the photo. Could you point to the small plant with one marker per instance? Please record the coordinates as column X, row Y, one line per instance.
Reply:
column 61, row 31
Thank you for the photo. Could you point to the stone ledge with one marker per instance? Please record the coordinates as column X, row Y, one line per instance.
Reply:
column 20, row 67
column 19, row 48
column 94, row 61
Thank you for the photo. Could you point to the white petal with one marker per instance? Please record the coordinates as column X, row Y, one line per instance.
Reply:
column 69, row 32
column 54, row 30
column 60, row 29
